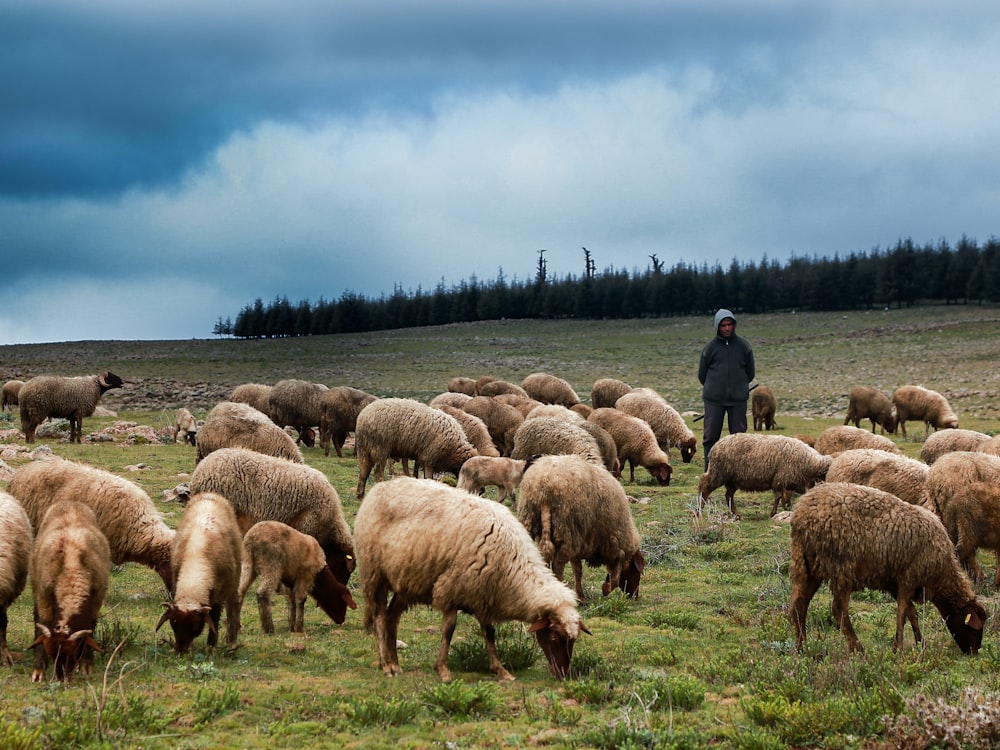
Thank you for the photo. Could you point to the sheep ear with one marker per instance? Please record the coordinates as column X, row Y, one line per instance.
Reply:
column 165, row 617
column 540, row 624
column 585, row 629
column 348, row 599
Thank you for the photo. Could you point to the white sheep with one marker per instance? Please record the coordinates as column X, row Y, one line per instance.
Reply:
column 550, row 389
column 865, row 402
column 757, row 462
column 50, row 396
column 665, row 421
column 338, row 415
column 860, row 537
column 904, row 477
column 923, row 405
column 501, row 472
column 948, row 441
column 185, row 426
column 847, row 437
column 231, row 424
column 10, row 392
column 287, row 560
column 69, row 571
column 578, row 512
column 555, row 436
column 207, row 556
column 427, row 543
column 636, row 443
column 126, row 515
column 605, row 392
column 256, row 395
column 296, row 403
column 15, row 554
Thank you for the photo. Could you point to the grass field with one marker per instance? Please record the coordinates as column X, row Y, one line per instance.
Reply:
column 705, row 656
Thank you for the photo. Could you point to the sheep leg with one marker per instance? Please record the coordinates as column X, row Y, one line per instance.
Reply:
column 215, row 613
column 731, row 501
column 577, row 566
column 41, row 664
column 232, row 620
column 297, row 607
column 391, row 634
column 386, row 657
column 447, row 631
column 804, row 588
column 490, row 635
column 905, row 612
column 6, row 657
column 911, row 615
column 364, row 470
column 264, row 606
column 841, row 615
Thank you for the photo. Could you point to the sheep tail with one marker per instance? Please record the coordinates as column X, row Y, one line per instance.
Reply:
column 545, row 544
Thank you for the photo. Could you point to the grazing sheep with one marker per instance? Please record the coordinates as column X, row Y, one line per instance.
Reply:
column 403, row 428
column 492, row 471
column 296, row 403
column 860, row 537
column 636, row 443
column 474, row 428
column 126, row 515
column 338, row 415
column 550, row 389
column 15, row 554
column 185, row 427
column 972, row 518
column 847, row 437
column 502, row 420
column 496, row 387
column 290, row 561
column 555, row 436
column 207, row 556
column 954, row 472
column 256, row 395
column 757, row 462
column 70, row 567
column 865, row 402
column 666, row 422
column 554, row 410
column 763, row 407
column 605, row 392
column 991, row 446
column 266, row 488
column 428, row 543
column 449, row 398
column 904, row 477
column 578, row 512
column 51, row 396
column 459, row 384
column 235, row 425
column 948, row 441
column 923, row 405
column 10, row 391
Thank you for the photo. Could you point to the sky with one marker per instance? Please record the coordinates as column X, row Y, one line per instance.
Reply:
column 165, row 163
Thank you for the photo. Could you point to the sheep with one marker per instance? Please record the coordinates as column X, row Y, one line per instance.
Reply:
column 463, row 385
column 955, row 471
column 923, row 405
column 296, row 403
column 846, row 437
column 554, row 436
column 474, row 428
column 10, row 392
column 501, row 472
column 256, row 395
column 266, row 488
column 502, row 420
column 69, row 571
column 523, row 404
column 636, row 443
column 185, row 426
column 46, row 396
column 288, row 560
column 495, row 387
column 947, row 441
column 449, row 398
column 554, row 410
column 15, row 553
column 904, row 477
column 576, row 511
column 972, row 518
column 666, row 422
column 428, row 543
column 763, row 407
column 338, row 415
column 207, row 556
column 236, row 425
column 550, row 389
column 125, row 514
column 860, row 537
column 403, row 428
column 582, row 409
column 865, row 402
column 757, row 462
column 605, row 392
column 991, row 446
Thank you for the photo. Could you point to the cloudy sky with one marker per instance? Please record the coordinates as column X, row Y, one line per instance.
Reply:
column 164, row 163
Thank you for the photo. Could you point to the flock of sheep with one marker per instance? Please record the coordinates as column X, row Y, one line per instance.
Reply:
column 868, row 517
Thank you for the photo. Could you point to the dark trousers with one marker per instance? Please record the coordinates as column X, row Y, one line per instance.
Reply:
column 715, row 415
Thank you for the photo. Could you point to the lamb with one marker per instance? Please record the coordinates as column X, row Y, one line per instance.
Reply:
column 972, row 518
column 10, row 392
column 403, row 428
column 256, row 395
column 954, row 472
column 266, row 488
column 126, row 515
column 338, row 415
column 554, row 436
column 636, row 443
column 185, row 426
column 288, row 560
column 860, row 537
column 576, row 511
column 947, row 441
column 207, row 555
column 502, row 420
column 846, row 437
column 428, row 543
column 763, row 407
column 605, row 392
column 904, row 477
column 296, row 403
column 236, row 425
column 865, row 402
column 923, row 405
column 550, row 389
column 474, row 428
column 69, row 570
column 666, row 422
column 756, row 462
column 501, row 472
column 459, row 384
column 48, row 396
column 15, row 553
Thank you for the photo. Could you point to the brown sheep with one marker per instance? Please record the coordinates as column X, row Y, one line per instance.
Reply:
column 847, row 437
column 10, row 391
column 296, row 403
column 502, row 420
column 904, row 477
column 256, row 395
column 636, row 443
column 865, row 402
column 606, row 391
column 923, row 405
column 338, row 415
column 236, row 425
column 550, row 389
column 15, row 556
column 48, row 396
column 666, row 422
column 763, row 407
column 948, row 441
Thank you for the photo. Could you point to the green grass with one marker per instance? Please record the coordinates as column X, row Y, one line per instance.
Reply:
column 704, row 657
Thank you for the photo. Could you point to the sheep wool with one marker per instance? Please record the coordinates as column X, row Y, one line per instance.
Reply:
column 954, row 472
column 923, row 405
column 550, row 389
column 461, row 384
column 846, row 437
column 904, row 477
column 865, row 402
column 338, row 415
column 636, row 443
column 49, row 396
column 257, row 395
column 949, row 441
column 10, row 391
column 15, row 554
column 555, row 436
column 231, row 424
column 501, row 419
column 474, row 429
column 296, row 403
column 665, row 421
column 605, row 392
column 858, row 538
column 972, row 518
column 428, row 543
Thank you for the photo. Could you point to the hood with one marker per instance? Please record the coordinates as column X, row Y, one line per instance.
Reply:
column 721, row 315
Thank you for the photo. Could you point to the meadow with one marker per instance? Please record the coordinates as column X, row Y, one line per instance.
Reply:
column 703, row 658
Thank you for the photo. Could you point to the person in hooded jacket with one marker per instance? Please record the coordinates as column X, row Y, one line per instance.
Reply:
column 725, row 371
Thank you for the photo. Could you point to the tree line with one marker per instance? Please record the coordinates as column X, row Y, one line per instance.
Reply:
column 968, row 273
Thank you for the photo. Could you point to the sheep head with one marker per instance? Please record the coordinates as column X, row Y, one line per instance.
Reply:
column 966, row 626
column 661, row 472
column 688, row 448
column 332, row 596
column 65, row 648
column 109, row 380
column 557, row 640
column 630, row 577
column 187, row 624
